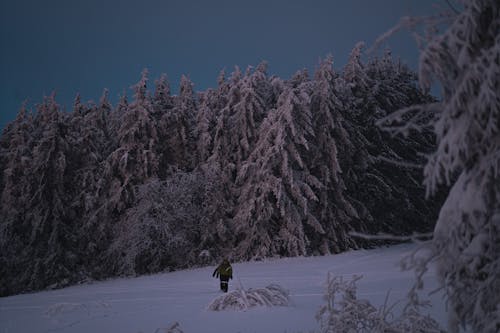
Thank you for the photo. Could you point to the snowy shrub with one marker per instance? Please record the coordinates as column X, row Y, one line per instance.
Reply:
column 158, row 233
column 241, row 299
column 344, row 312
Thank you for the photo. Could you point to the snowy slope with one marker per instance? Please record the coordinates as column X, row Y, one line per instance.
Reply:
column 148, row 303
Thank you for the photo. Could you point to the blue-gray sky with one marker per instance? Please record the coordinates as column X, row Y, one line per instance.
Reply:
column 88, row 45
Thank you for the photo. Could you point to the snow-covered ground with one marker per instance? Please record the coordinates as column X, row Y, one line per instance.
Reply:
column 146, row 304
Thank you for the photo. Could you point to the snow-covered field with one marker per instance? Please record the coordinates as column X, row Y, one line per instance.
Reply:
column 153, row 303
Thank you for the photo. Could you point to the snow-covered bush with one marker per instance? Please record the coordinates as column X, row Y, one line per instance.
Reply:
column 161, row 230
column 241, row 299
column 344, row 312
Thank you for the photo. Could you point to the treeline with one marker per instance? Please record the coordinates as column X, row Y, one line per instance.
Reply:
column 256, row 167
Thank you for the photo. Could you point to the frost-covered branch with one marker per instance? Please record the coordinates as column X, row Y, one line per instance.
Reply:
column 415, row 237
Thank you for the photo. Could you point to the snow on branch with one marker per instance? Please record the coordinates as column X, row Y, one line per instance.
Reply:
column 411, row 23
column 415, row 237
column 399, row 163
column 415, row 117
column 241, row 299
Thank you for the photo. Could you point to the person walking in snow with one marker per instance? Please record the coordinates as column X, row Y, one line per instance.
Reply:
column 224, row 272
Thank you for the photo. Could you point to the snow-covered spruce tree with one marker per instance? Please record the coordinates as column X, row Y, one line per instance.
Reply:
column 383, row 173
column 116, row 117
column 163, row 103
column 91, row 143
column 44, row 221
column 465, row 61
column 162, row 99
column 133, row 162
column 135, row 159
column 15, row 157
column 249, row 112
column 353, row 157
column 226, row 144
column 355, row 75
column 332, row 209
column 177, row 128
column 400, row 160
column 205, row 124
column 276, row 184
column 15, row 160
column 209, row 118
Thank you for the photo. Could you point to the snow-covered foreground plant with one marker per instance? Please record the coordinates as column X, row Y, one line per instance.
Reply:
column 241, row 299
column 465, row 62
column 344, row 312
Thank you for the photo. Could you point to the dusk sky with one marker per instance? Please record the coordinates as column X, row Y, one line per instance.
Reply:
column 88, row 45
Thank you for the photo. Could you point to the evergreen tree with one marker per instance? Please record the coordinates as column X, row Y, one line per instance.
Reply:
column 45, row 258
column 177, row 127
column 258, row 165
column 333, row 210
column 15, row 158
column 205, row 124
column 162, row 100
column 135, row 159
column 464, row 59
column 276, row 185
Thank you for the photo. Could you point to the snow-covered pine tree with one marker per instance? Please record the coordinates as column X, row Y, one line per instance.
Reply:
column 134, row 162
column 162, row 99
column 45, row 259
column 399, row 161
column 163, row 103
column 135, row 159
column 116, row 116
column 465, row 61
column 15, row 160
column 78, row 107
column 276, row 184
column 91, row 144
column 15, row 154
column 383, row 173
column 354, row 72
column 205, row 124
column 352, row 89
column 177, row 127
column 226, row 142
column 333, row 211
column 244, row 113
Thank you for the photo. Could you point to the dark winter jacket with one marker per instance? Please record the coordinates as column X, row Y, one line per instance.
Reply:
column 224, row 271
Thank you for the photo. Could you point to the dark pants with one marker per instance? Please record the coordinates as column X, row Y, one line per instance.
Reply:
column 224, row 281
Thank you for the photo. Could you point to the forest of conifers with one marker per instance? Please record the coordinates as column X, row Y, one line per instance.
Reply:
column 257, row 167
